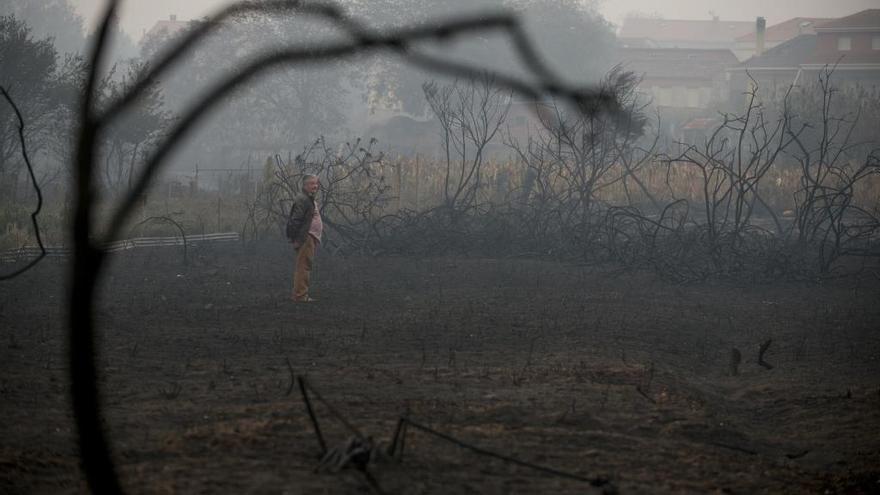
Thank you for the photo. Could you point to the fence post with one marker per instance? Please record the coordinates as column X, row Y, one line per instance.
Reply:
column 195, row 184
column 418, row 180
column 397, row 167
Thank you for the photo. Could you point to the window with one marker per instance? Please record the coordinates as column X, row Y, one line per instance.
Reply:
column 679, row 96
column 664, row 97
column 693, row 97
column 705, row 97
column 875, row 43
column 844, row 43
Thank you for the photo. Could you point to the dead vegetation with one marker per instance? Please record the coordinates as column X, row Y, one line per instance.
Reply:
column 606, row 375
column 597, row 188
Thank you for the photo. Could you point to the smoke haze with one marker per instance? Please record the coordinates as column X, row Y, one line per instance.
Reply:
column 139, row 16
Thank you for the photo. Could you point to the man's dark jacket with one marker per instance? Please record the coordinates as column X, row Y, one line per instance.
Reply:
column 300, row 219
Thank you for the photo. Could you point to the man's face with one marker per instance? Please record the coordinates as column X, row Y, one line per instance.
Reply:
column 311, row 186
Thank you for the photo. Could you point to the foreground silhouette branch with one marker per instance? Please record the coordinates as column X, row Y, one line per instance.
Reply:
column 27, row 162
column 588, row 100
column 89, row 259
column 84, row 275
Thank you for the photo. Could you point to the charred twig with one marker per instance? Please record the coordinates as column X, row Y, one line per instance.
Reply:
column 398, row 440
column 292, row 376
column 644, row 394
column 596, row 481
column 358, row 451
column 733, row 447
column 312, row 417
column 336, row 414
column 172, row 391
column 735, row 360
column 762, row 351
column 531, row 352
column 798, row 455
column 644, row 385
column 173, row 222
column 355, row 452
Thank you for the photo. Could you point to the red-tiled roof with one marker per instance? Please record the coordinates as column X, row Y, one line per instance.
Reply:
column 865, row 19
column 682, row 30
column 676, row 63
column 801, row 50
column 789, row 54
column 634, row 43
column 700, row 123
column 787, row 30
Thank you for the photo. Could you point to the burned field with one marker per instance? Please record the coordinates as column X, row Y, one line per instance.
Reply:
column 613, row 376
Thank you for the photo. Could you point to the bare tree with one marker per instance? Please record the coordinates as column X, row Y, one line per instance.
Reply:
column 733, row 161
column 140, row 129
column 30, row 76
column 470, row 114
column 732, row 169
column 577, row 153
column 354, row 191
column 831, row 166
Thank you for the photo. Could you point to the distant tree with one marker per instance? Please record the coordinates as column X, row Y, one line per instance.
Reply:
column 576, row 40
column 856, row 109
column 296, row 104
column 281, row 112
column 122, row 48
column 571, row 36
column 470, row 113
column 578, row 154
column 46, row 87
column 127, row 142
column 29, row 75
column 54, row 19
column 387, row 82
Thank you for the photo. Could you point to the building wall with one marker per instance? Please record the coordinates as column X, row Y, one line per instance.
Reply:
column 679, row 95
column 770, row 83
column 745, row 50
column 861, row 43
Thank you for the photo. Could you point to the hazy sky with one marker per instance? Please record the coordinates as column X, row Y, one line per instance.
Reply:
column 138, row 15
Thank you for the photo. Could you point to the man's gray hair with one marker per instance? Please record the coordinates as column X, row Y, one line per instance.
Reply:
column 306, row 178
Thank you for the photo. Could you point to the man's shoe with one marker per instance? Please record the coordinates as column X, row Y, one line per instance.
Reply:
column 304, row 300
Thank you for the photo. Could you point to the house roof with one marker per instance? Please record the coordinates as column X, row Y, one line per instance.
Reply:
column 715, row 31
column 676, row 63
column 700, row 123
column 634, row 43
column 787, row 30
column 802, row 51
column 791, row 54
column 866, row 19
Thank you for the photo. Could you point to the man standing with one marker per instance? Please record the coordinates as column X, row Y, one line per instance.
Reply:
column 304, row 229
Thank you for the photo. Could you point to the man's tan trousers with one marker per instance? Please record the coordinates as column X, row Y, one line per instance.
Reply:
column 303, row 269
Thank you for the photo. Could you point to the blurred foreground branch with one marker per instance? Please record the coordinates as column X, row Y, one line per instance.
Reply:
column 89, row 259
column 27, row 162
